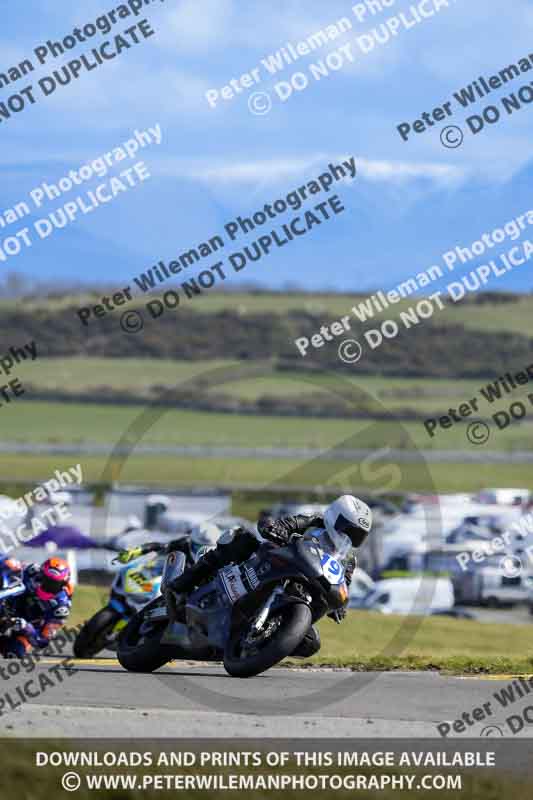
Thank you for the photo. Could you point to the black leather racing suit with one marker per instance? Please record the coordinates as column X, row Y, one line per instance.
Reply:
column 239, row 546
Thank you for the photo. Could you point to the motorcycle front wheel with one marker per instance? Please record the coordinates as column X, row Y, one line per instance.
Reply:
column 246, row 655
column 139, row 645
column 93, row 637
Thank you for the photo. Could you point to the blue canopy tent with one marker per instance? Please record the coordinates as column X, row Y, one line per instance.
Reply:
column 65, row 537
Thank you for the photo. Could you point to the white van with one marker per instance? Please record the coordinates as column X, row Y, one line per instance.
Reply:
column 416, row 595
column 506, row 497
column 360, row 587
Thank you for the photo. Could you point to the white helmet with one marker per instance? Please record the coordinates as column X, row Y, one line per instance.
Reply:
column 349, row 516
column 204, row 537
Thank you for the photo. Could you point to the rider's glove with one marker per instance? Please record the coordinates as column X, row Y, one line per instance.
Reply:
column 338, row 615
column 125, row 556
column 278, row 531
column 281, row 530
column 267, row 528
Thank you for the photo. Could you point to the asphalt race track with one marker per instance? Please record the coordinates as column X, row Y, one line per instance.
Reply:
column 192, row 700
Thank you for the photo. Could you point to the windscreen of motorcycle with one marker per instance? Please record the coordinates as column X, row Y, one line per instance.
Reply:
column 339, row 548
column 331, row 553
column 174, row 566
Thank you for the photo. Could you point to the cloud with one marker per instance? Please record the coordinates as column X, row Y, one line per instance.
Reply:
column 398, row 171
column 274, row 171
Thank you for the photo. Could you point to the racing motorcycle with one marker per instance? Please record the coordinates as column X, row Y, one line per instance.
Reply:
column 251, row 615
column 11, row 585
column 135, row 584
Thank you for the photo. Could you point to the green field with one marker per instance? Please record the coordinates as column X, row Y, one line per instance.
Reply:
column 514, row 317
column 140, row 374
column 86, row 422
column 79, row 423
column 148, row 378
column 169, row 471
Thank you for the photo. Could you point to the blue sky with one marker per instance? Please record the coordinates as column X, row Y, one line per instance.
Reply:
column 410, row 203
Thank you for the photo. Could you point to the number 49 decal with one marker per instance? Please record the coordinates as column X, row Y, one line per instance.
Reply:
column 332, row 570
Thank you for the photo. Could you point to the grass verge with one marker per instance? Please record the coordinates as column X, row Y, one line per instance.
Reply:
column 86, row 601
column 371, row 641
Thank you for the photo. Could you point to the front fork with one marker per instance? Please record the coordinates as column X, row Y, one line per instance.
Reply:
column 262, row 616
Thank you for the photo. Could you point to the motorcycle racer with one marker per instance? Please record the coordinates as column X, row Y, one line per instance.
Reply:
column 42, row 609
column 343, row 527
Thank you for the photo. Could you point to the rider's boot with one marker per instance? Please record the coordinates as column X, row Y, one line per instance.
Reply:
column 186, row 582
column 195, row 575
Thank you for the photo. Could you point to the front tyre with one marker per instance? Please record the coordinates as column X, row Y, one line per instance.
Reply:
column 94, row 635
column 246, row 655
column 139, row 645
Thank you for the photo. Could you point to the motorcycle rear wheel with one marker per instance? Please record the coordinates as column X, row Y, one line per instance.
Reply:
column 150, row 654
column 93, row 636
column 293, row 623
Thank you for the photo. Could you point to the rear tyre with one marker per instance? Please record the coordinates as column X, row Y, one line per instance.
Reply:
column 141, row 650
column 245, row 656
column 95, row 633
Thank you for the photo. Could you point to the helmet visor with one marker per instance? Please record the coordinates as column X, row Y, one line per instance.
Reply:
column 50, row 585
column 355, row 533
